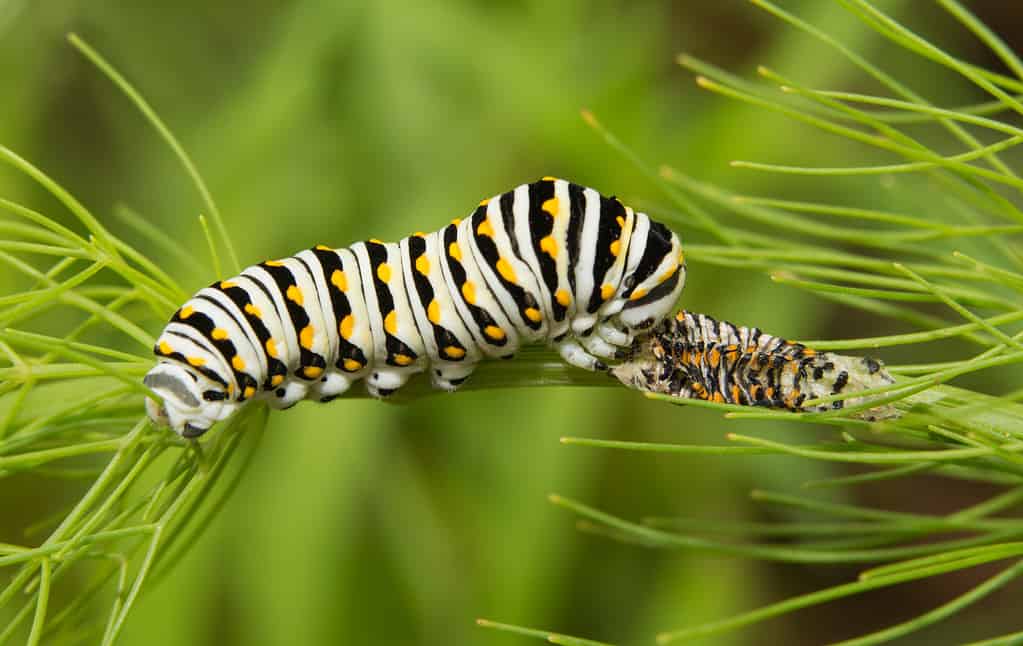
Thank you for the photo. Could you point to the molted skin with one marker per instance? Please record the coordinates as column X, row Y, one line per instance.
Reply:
column 548, row 262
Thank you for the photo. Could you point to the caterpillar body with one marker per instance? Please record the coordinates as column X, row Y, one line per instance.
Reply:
column 549, row 261
column 695, row 356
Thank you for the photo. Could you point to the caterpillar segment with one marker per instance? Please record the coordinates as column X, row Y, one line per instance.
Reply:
column 547, row 262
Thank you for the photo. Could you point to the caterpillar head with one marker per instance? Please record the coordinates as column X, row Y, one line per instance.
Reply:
column 184, row 407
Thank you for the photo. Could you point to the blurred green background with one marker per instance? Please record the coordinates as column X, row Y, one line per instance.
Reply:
column 328, row 122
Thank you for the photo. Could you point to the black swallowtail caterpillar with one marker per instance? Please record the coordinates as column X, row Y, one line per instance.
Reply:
column 548, row 262
column 694, row 356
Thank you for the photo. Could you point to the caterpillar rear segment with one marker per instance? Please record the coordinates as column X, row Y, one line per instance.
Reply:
column 548, row 262
column 694, row 356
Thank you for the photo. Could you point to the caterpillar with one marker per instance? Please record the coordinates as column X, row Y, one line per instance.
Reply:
column 549, row 261
column 694, row 356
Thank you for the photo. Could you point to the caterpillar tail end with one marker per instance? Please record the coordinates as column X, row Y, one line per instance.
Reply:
column 694, row 356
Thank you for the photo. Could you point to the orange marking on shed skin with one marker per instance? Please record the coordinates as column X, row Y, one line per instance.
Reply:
column 563, row 297
column 494, row 332
column 339, row 280
column 549, row 246
column 218, row 334
column 454, row 352
column 252, row 310
column 455, row 251
column 346, row 327
column 271, row 348
column 294, row 294
column 384, row 272
column 552, row 206
column 505, row 269
column 305, row 337
column 351, row 365
column 433, row 312
column 312, row 372
column 391, row 323
column 237, row 363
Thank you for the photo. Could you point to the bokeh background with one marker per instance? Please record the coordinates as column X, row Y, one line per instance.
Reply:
column 328, row 122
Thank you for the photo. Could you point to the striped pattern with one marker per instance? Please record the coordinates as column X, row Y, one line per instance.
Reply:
column 550, row 262
column 695, row 356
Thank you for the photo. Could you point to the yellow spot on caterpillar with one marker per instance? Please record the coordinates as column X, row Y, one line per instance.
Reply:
column 165, row 348
column 218, row 334
column 226, row 284
column 323, row 247
column 714, row 358
column 681, row 316
column 423, row 265
column 273, row 263
column 456, row 221
column 196, row 361
column 305, row 337
column 548, row 178
column 402, row 359
column 485, row 202
column 252, row 310
column 433, row 312
column 616, row 248
column 494, row 332
column 454, row 352
column 666, row 275
column 276, row 380
column 552, row 206
column 606, row 291
column 248, row 392
column 638, row 294
column 505, row 269
column 384, row 272
column 294, row 294
column 621, row 222
column 237, row 363
column 312, row 372
column 376, row 241
column 455, row 251
column 484, row 229
column 271, row 348
column 186, row 311
column 718, row 397
column 339, row 280
column 550, row 246
column 346, row 327
column 533, row 314
column 351, row 365
column 391, row 323
column 469, row 292
column 563, row 297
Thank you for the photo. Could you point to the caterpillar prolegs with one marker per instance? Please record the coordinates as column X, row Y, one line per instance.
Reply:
column 550, row 262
